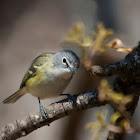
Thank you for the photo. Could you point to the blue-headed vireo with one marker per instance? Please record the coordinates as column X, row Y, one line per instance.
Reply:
column 48, row 76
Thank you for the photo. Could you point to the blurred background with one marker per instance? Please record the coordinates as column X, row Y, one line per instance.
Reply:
column 31, row 27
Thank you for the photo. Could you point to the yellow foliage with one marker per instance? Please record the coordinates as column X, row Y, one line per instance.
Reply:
column 99, row 126
column 115, row 99
column 101, row 35
column 80, row 35
column 115, row 117
column 106, row 93
column 84, row 38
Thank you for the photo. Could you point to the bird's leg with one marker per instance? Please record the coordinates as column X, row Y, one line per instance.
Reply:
column 70, row 97
column 42, row 110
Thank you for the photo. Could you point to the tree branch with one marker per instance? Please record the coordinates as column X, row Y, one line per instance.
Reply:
column 127, row 81
column 55, row 111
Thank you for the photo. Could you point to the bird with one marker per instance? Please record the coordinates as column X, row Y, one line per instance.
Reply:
column 48, row 76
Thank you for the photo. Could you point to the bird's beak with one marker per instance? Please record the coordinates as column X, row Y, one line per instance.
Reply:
column 72, row 68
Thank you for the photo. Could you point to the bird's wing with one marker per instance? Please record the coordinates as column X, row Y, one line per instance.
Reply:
column 36, row 64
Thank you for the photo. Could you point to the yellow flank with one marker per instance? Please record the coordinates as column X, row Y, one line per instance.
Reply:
column 39, row 77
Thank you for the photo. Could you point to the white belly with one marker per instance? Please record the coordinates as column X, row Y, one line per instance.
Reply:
column 53, row 86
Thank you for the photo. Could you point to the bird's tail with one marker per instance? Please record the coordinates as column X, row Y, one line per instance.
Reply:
column 14, row 97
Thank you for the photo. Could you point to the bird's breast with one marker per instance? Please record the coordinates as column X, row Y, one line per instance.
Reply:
column 49, row 84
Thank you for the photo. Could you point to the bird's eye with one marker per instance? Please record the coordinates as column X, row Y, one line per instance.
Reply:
column 64, row 60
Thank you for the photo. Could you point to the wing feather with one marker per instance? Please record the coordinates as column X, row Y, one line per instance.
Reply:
column 36, row 64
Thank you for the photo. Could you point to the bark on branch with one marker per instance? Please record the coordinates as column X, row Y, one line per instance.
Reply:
column 55, row 111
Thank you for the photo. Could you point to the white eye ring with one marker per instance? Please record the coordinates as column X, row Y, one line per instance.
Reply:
column 64, row 60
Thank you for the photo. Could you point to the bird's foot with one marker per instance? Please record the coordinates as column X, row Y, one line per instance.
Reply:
column 43, row 112
column 70, row 97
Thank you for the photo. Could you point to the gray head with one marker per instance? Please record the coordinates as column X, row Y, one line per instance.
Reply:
column 66, row 59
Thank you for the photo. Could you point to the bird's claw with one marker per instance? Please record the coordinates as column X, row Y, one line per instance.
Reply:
column 43, row 112
column 70, row 97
